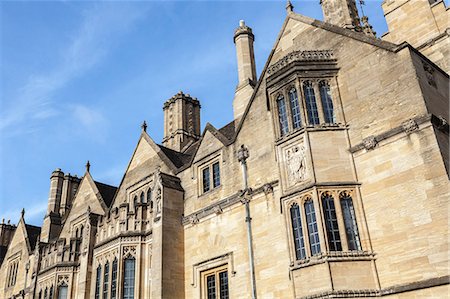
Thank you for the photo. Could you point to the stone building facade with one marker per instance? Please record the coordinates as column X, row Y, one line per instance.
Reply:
column 332, row 181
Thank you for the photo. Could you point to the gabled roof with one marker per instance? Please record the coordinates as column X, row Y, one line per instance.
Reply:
column 177, row 158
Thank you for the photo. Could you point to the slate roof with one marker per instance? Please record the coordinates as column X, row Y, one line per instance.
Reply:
column 228, row 130
column 107, row 192
column 33, row 234
column 178, row 159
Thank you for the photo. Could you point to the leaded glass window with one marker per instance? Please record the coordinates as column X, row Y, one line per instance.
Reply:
column 106, row 281
column 297, row 230
column 329, row 212
column 114, row 280
column 62, row 291
column 206, row 178
column 128, row 280
column 295, row 109
column 216, row 174
column 282, row 115
column 46, row 293
column 97, row 282
column 211, row 286
column 313, row 231
column 223, row 280
column 142, row 197
column 327, row 102
column 311, row 105
column 351, row 228
column 50, row 295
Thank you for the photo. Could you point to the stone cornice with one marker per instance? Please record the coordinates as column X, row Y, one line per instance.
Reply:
column 396, row 289
column 409, row 126
column 309, row 56
column 217, row 207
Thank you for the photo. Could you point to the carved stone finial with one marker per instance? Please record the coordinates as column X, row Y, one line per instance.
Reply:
column 144, row 126
column 193, row 219
column 289, row 6
column 22, row 213
column 366, row 27
column 88, row 166
column 242, row 154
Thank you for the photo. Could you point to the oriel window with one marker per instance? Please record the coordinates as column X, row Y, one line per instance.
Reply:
column 311, row 105
column 327, row 102
column 351, row 228
column 313, row 232
column 106, row 281
column 114, row 280
column 128, row 281
column 331, row 223
column 97, row 282
column 295, row 109
column 297, row 230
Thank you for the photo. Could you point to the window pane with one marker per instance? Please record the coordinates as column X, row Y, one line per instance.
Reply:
column 142, row 197
column 45, row 294
column 205, row 178
column 282, row 116
column 128, row 281
column 329, row 211
column 216, row 175
column 51, row 293
column 311, row 105
column 105, row 281
column 149, row 197
column 351, row 229
column 297, row 230
column 295, row 108
column 313, row 232
column 211, row 286
column 62, row 292
column 97, row 282
column 223, row 277
column 114, row 279
column 327, row 102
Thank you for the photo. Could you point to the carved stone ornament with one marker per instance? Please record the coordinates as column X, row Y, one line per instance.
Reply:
column 296, row 163
column 129, row 251
column 63, row 280
column 267, row 188
column 442, row 122
column 370, row 143
column 158, row 199
column 218, row 210
column 193, row 219
column 429, row 72
column 315, row 55
column 410, row 126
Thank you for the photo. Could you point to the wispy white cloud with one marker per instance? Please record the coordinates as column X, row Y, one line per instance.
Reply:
column 90, row 121
column 33, row 214
column 100, row 26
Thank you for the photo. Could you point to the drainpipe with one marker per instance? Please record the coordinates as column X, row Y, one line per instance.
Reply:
column 245, row 199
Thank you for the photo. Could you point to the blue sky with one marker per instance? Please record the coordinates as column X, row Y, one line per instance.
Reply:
column 78, row 78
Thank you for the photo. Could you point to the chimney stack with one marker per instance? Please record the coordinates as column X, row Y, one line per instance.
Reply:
column 243, row 39
column 181, row 121
column 52, row 220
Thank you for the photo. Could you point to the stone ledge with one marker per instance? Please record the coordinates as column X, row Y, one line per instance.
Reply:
column 335, row 256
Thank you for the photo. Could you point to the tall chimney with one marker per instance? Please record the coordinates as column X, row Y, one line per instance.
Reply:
column 342, row 13
column 181, row 121
column 244, row 38
column 52, row 220
column 69, row 187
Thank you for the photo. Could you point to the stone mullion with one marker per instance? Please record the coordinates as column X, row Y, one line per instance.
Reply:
column 337, row 103
column 119, row 281
column 320, row 227
column 340, row 220
column 318, row 97
column 304, row 121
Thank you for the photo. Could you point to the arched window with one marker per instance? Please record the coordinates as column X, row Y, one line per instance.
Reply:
column 135, row 201
column 128, row 280
column 81, row 231
column 295, row 108
column 50, row 295
column 142, row 197
column 351, row 229
column 106, row 281
column 149, row 198
column 297, row 230
column 327, row 102
column 311, row 105
column 97, row 282
column 329, row 212
column 313, row 232
column 114, row 280
column 282, row 115
column 40, row 294
column 62, row 291
column 46, row 293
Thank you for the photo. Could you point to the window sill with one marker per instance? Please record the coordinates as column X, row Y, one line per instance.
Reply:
column 334, row 256
column 211, row 191
column 310, row 128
